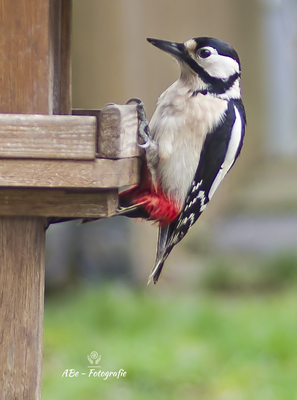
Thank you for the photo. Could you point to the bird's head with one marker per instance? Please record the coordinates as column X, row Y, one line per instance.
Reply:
column 214, row 63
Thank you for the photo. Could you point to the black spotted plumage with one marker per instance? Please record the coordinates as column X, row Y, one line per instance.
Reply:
column 211, row 159
column 197, row 132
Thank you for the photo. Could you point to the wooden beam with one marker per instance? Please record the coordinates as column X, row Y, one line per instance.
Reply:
column 101, row 173
column 108, row 133
column 65, row 75
column 44, row 136
column 118, row 130
column 58, row 203
column 22, row 241
column 26, row 83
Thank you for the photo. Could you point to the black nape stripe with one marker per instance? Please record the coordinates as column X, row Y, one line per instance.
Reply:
column 196, row 92
column 218, row 86
column 215, row 85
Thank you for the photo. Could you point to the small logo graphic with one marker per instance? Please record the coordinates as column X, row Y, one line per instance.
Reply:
column 94, row 357
column 94, row 370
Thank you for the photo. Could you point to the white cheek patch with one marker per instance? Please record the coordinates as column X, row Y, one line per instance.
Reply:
column 219, row 66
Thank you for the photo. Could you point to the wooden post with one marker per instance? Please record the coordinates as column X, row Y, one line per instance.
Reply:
column 49, row 168
column 29, row 71
column 21, row 301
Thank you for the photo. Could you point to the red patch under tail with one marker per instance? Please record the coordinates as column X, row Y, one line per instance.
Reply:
column 155, row 204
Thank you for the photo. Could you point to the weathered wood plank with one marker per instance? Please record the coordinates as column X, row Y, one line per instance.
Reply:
column 22, row 243
column 25, row 84
column 54, row 58
column 101, row 173
column 44, row 136
column 65, row 76
column 94, row 113
column 58, row 203
column 118, row 129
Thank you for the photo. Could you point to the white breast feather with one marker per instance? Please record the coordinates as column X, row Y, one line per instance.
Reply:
column 179, row 126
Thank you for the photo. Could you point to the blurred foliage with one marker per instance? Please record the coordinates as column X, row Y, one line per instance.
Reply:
column 202, row 345
column 249, row 273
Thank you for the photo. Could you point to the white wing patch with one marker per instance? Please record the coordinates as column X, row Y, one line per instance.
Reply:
column 201, row 196
column 196, row 186
column 190, row 218
column 231, row 152
column 191, row 203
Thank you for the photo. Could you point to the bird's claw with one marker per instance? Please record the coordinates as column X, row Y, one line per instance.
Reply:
column 135, row 100
column 143, row 125
column 145, row 145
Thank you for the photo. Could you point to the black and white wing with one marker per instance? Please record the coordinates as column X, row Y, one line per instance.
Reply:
column 220, row 150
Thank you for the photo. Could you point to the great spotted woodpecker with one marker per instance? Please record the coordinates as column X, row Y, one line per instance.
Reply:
column 193, row 139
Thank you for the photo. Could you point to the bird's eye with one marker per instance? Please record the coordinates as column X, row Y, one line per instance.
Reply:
column 204, row 53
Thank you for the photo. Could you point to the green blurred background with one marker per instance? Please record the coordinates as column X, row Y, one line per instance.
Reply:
column 222, row 322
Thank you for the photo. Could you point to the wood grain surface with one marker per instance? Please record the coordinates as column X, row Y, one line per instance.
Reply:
column 101, row 173
column 22, row 241
column 26, row 84
column 118, row 130
column 47, row 136
column 58, row 203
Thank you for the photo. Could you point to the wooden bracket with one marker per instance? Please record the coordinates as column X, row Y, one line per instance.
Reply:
column 92, row 150
column 117, row 130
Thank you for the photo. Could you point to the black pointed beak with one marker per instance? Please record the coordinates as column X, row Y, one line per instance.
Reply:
column 177, row 50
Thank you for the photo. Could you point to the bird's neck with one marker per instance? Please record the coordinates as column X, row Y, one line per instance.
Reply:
column 195, row 84
column 191, row 80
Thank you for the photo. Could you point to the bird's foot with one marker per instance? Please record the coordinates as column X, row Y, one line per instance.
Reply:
column 143, row 124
